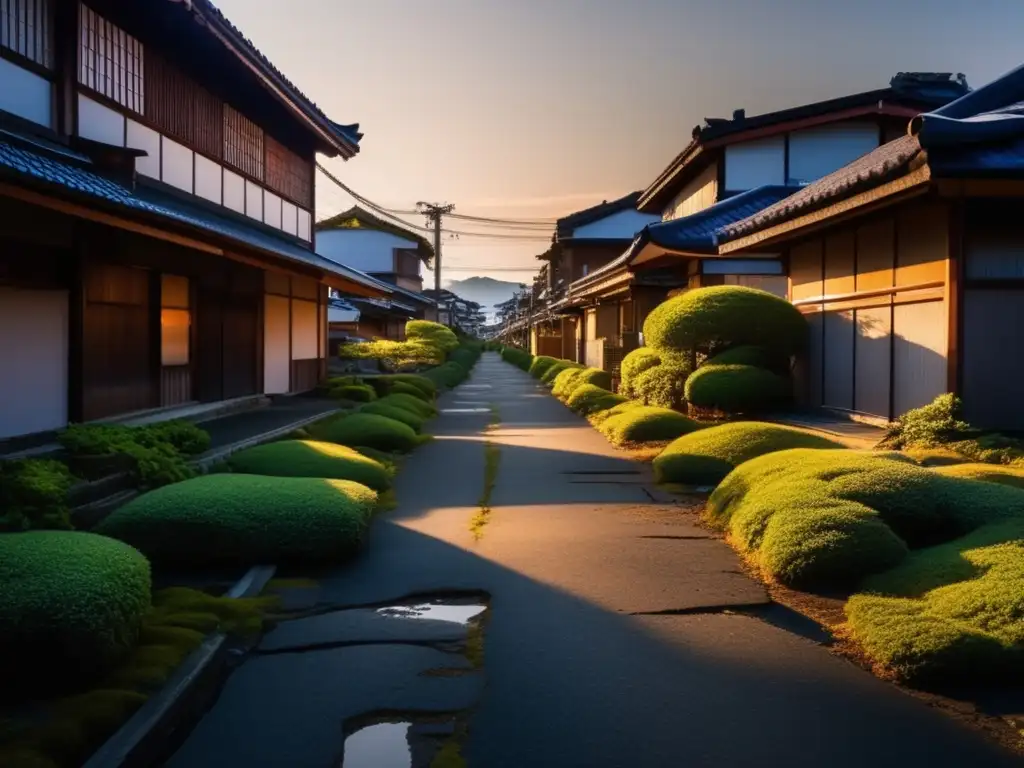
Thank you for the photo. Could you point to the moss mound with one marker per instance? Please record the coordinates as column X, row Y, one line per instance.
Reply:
column 736, row 388
column 244, row 520
column 409, row 403
column 395, row 412
column 633, row 364
column 368, row 429
column 71, row 604
column 990, row 473
column 600, row 417
column 589, row 398
column 949, row 613
column 818, row 518
column 645, row 424
column 663, row 385
column 358, row 393
column 540, row 365
column 310, row 458
column 726, row 314
column 707, row 456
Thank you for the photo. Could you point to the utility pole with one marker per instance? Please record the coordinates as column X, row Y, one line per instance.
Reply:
column 434, row 213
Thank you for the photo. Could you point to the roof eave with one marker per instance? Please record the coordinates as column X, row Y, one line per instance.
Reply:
column 912, row 184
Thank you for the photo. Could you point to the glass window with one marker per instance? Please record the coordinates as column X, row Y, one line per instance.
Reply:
column 25, row 28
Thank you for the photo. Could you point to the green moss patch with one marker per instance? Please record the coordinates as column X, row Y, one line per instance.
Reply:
column 953, row 612
column 395, row 412
column 368, row 429
column 821, row 518
column 707, row 456
column 589, row 398
column 646, row 424
column 245, row 520
column 311, row 458
column 990, row 473
column 736, row 388
column 71, row 604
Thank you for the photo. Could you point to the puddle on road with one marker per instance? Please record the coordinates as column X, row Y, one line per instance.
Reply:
column 436, row 610
column 384, row 745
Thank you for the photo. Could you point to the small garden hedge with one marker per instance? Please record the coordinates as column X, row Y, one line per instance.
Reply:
column 663, row 385
column 517, row 357
column 311, row 458
column 564, row 382
column 736, row 388
column 594, row 376
column 71, row 605
column 589, row 398
column 358, row 393
column 409, row 403
column 747, row 354
column 540, row 365
column 645, row 424
column 726, row 314
column 633, row 364
column 244, row 520
column 599, row 417
column 367, row 429
column 34, row 495
column 707, row 456
column 396, row 412
column 553, row 372
column 449, row 375
column 821, row 518
column 431, row 334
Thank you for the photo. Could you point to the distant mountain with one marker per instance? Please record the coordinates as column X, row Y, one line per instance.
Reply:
column 485, row 291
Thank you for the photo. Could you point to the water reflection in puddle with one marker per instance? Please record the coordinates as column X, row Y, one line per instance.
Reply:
column 385, row 745
column 460, row 613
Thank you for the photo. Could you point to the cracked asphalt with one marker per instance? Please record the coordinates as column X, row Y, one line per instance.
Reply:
column 619, row 632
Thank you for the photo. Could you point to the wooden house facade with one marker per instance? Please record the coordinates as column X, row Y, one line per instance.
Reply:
column 156, row 196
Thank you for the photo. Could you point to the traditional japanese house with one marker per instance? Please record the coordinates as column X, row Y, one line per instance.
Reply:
column 156, row 198
column 909, row 265
column 730, row 170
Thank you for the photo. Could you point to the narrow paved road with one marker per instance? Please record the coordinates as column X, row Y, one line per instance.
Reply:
column 607, row 642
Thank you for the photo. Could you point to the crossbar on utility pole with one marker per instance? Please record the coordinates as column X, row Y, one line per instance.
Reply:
column 435, row 213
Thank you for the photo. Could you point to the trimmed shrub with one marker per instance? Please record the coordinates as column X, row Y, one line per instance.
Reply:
column 589, row 398
column 554, row 370
column 422, row 383
column 311, row 458
column 818, row 518
column 563, row 383
column 707, row 456
column 409, row 403
column 517, row 357
column 466, row 355
column 71, row 604
column 448, row 375
column 34, row 495
column 540, row 365
column 358, row 393
column 989, row 473
column 431, row 334
column 246, row 519
column 633, row 364
column 935, row 424
column 726, row 315
column 367, row 429
column 395, row 412
column 594, row 376
column 950, row 613
column 156, row 453
column 393, row 355
column 400, row 388
column 600, row 417
column 646, row 425
column 736, row 388
column 663, row 385
column 746, row 354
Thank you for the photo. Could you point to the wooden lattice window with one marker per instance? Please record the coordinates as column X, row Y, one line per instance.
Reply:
column 112, row 62
column 26, row 28
column 182, row 109
column 288, row 174
column 243, row 143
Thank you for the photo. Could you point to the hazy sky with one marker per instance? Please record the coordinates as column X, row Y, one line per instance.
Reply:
column 537, row 108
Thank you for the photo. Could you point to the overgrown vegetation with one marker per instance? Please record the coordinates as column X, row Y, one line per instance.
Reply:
column 705, row 457
column 492, row 460
column 311, row 458
column 156, row 454
column 34, row 495
column 235, row 519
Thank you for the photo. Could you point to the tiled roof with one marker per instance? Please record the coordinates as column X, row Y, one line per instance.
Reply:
column 347, row 133
column 699, row 230
column 887, row 162
column 567, row 224
column 67, row 171
column 367, row 220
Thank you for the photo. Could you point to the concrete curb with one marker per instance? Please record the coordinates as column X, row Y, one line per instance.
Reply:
column 222, row 453
column 139, row 741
